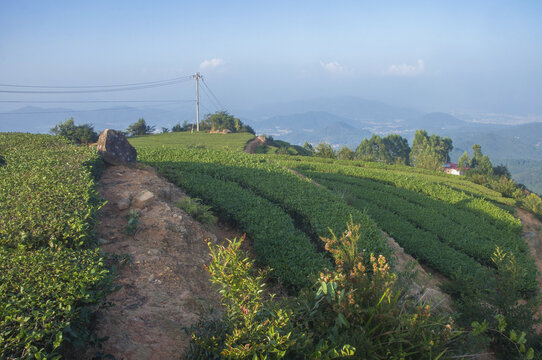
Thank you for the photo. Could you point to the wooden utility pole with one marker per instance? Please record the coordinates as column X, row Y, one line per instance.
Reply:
column 197, row 76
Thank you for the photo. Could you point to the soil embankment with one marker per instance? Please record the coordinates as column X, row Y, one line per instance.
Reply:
column 164, row 286
column 532, row 233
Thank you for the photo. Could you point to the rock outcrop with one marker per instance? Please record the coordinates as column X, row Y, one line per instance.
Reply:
column 115, row 149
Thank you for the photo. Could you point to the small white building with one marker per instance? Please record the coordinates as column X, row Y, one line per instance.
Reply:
column 451, row 168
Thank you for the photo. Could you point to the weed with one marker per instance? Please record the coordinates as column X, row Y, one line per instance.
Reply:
column 197, row 210
column 132, row 227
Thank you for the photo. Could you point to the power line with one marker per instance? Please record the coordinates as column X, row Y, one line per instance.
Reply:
column 69, row 111
column 213, row 102
column 104, row 90
column 89, row 101
column 182, row 78
column 218, row 101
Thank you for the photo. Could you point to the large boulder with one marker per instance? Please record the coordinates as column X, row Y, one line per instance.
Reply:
column 115, row 149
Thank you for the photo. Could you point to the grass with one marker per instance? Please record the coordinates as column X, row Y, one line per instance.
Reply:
column 234, row 142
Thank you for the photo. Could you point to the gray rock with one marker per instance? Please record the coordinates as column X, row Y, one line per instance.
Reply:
column 115, row 149
column 123, row 204
column 165, row 193
column 143, row 199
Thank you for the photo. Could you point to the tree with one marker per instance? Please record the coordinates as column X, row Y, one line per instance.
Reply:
column 165, row 130
column 307, row 146
column 324, row 150
column 502, row 171
column 222, row 120
column 177, row 128
column 430, row 152
column 397, row 149
column 464, row 161
column 345, row 153
column 480, row 163
column 139, row 128
column 78, row 134
column 392, row 149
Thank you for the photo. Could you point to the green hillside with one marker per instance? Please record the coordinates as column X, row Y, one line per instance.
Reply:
column 236, row 141
column 52, row 273
column 446, row 222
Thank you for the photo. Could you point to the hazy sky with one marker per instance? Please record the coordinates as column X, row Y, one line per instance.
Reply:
column 471, row 56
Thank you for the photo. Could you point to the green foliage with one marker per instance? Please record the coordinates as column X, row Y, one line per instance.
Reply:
column 78, row 134
column 513, row 339
column 430, row 152
column 254, row 325
column 50, row 282
column 533, row 203
column 47, row 297
column 496, row 303
column 140, row 127
column 249, row 191
column 165, row 130
column 324, row 150
column 132, row 226
column 438, row 225
column 178, row 128
column 221, row 120
column 361, row 304
column 174, row 140
column 307, row 146
column 464, row 161
column 345, row 153
column 48, row 192
column 354, row 311
column 197, row 210
column 391, row 149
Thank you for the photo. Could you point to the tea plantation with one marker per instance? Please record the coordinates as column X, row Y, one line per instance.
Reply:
column 51, row 274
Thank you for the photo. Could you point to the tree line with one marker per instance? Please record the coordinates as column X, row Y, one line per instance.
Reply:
column 85, row 133
column 429, row 152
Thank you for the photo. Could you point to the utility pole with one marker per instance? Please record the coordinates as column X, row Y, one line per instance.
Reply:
column 197, row 76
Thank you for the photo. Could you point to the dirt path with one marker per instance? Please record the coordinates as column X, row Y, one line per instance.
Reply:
column 250, row 147
column 165, row 287
column 532, row 233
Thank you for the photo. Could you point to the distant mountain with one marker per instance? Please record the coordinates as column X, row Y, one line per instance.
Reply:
column 530, row 133
column 349, row 107
column 313, row 127
column 512, row 142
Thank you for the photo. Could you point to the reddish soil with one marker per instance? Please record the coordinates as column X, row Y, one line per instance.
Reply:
column 164, row 287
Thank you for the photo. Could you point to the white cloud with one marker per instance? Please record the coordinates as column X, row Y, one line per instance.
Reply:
column 406, row 70
column 211, row 64
column 334, row 67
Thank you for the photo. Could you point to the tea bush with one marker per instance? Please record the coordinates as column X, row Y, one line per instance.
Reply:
column 47, row 192
column 51, row 277
column 46, row 296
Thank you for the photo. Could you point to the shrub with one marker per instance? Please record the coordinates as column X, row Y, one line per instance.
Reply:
column 253, row 326
column 47, row 296
column 50, row 278
column 533, row 203
column 495, row 301
column 197, row 210
column 77, row 134
column 359, row 310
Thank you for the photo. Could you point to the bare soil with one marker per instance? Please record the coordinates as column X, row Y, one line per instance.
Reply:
column 164, row 286
column 250, row 147
column 532, row 233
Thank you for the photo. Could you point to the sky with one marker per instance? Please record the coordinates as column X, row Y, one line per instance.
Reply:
column 454, row 56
